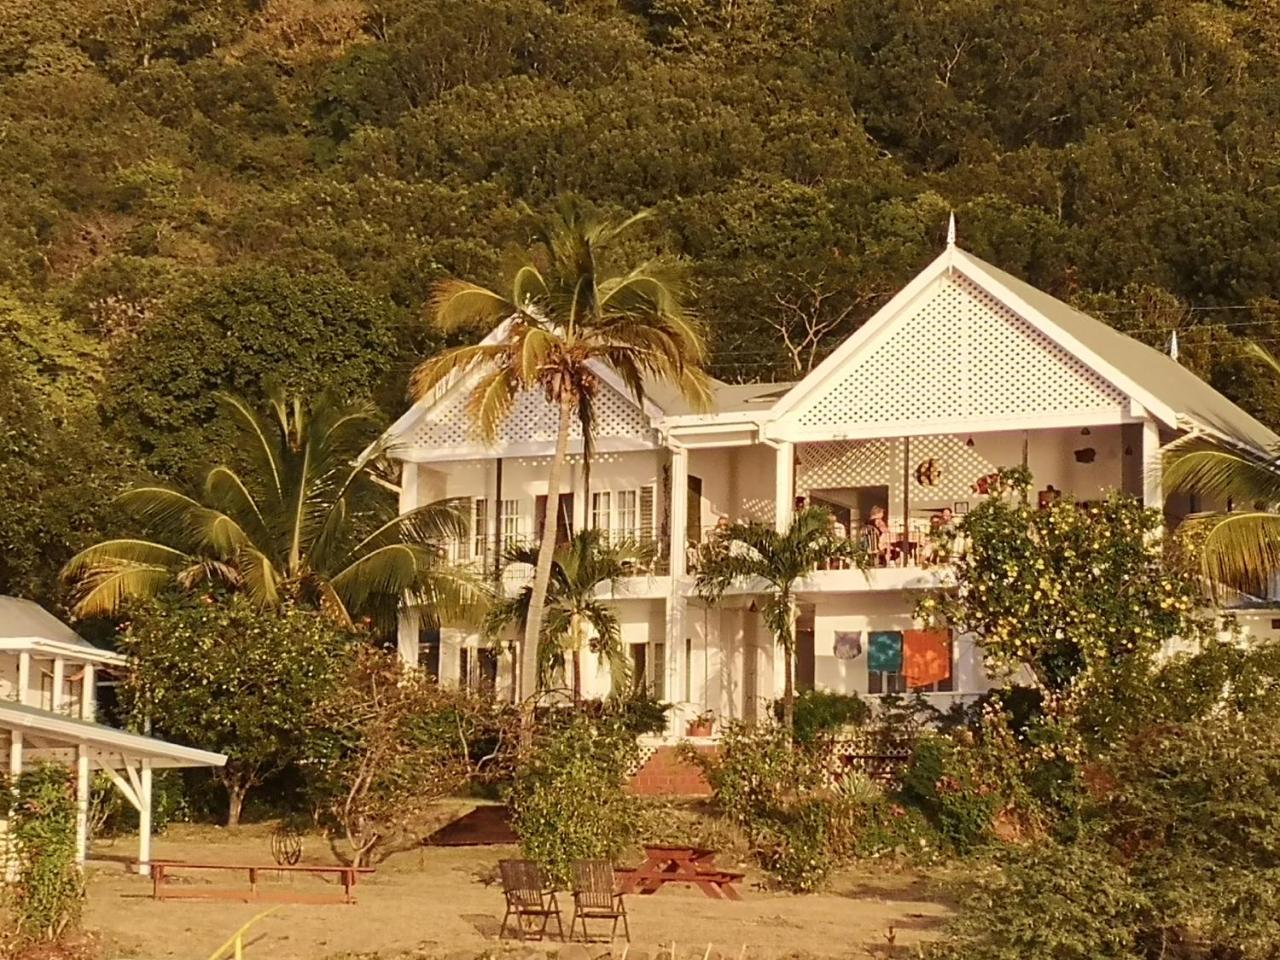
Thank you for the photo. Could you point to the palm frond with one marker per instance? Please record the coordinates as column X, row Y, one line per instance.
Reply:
column 492, row 399
column 227, row 491
column 1222, row 474
column 456, row 303
column 1239, row 551
column 122, row 552
column 104, row 589
column 259, row 576
column 183, row 521
column 452, row 363
column 261, row 444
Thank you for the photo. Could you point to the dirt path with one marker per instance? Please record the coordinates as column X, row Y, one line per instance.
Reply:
column 442, row 900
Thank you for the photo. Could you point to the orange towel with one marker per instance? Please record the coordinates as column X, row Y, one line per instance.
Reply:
column 926, row 656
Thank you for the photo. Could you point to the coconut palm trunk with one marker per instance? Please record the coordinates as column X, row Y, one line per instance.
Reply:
column 547, row 548
column 787, row 640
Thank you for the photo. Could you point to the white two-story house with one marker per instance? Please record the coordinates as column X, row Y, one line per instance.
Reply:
column 966, row 370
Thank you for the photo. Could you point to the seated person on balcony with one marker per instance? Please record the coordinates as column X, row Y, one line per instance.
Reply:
column 875, row 537
column 717, row 541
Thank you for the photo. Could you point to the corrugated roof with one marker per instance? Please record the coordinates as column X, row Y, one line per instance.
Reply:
column 64, row 729
column 1160, row 375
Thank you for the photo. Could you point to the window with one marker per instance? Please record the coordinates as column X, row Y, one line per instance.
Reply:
column 465, row 663
column 600, row 505
column 648, row 668
column 879, row 682
column 688, row 670
column 509, row 521
column 429, row 651
column 627, row 521
column 658, row 670
column 480, row 528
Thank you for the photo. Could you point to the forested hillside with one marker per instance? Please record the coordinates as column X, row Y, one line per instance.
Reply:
column 210, row 195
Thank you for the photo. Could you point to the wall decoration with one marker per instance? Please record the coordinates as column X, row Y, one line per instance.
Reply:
column 848, row 644
column 960, row 508
column 928, row 473
column 1086, row 455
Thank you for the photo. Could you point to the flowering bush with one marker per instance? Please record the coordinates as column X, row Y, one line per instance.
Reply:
column 1083, row 595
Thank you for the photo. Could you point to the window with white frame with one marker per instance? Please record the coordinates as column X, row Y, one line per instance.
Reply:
column 617, row 512
column 509, row 520
column 627, row 514
column 480, row 528
column 601, row 505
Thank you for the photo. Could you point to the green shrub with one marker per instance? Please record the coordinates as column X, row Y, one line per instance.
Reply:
column 941, row 782
column 755, row 774
column 567, row 798
column 48, row 894
column 1049, row 901
column 823, row 712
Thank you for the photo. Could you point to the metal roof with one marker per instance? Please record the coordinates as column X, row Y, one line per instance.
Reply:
column 68, row 730
column 25, row 625
column 1157, row 373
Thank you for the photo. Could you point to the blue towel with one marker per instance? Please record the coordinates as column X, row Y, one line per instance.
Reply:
column 884, row 651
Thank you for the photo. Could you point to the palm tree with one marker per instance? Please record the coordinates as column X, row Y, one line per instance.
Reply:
column 750, row 553
column 310, row 519
column 569, row 312
column 574, row 617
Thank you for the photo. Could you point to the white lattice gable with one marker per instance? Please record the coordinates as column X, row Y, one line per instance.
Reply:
column 446, row 429
column 949, row 354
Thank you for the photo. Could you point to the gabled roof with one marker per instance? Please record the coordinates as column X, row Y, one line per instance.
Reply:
column 67, row 730
column 1170, row 392
column 25, row 625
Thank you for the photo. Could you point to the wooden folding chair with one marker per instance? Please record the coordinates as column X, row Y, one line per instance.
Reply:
column 596, row 897
column 528, row 896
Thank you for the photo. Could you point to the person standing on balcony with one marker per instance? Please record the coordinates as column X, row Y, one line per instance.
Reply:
column 875, row 536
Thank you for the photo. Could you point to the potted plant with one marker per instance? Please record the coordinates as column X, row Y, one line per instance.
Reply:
column 701, row 725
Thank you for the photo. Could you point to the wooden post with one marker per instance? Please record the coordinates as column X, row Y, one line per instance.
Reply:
column 144, row 820
column 83, row 769
column 88, row 694
column 82, row 804
column 59, row 678
column 906, row 499
column 24, row 678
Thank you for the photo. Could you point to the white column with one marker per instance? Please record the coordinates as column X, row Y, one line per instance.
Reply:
column 24, row 677
column 83, row 771
column 144, row 821
column 408, row 487
column 1152, row 466
column 59, row 678
column 407, row 637
column 88, row 694
column 784, row 484
column 82, row 803
column 679, row 509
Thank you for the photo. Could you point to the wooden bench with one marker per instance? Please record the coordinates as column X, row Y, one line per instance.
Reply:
column 162, row 872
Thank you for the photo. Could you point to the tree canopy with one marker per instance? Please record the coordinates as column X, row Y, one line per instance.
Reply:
column 204, row 191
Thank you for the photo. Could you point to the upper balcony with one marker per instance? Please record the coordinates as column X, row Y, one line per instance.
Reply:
column 645, row 569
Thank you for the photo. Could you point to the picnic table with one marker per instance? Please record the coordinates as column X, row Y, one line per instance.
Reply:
column 665, row 864
column 162, row 872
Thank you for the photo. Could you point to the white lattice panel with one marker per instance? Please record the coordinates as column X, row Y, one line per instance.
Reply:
column 960, row 355
column 531, row 420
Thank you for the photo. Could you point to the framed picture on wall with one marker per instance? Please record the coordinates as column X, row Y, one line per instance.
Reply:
column 960, row 508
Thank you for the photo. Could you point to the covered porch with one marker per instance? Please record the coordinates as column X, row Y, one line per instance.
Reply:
column 33, row 736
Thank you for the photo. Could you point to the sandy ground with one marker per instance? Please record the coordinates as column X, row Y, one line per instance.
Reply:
column 438, row 901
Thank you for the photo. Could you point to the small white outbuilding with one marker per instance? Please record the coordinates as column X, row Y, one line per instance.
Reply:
column 48, row 683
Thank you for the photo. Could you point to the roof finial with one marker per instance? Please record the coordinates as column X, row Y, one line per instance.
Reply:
column 951, row 230
column 1173, row 345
